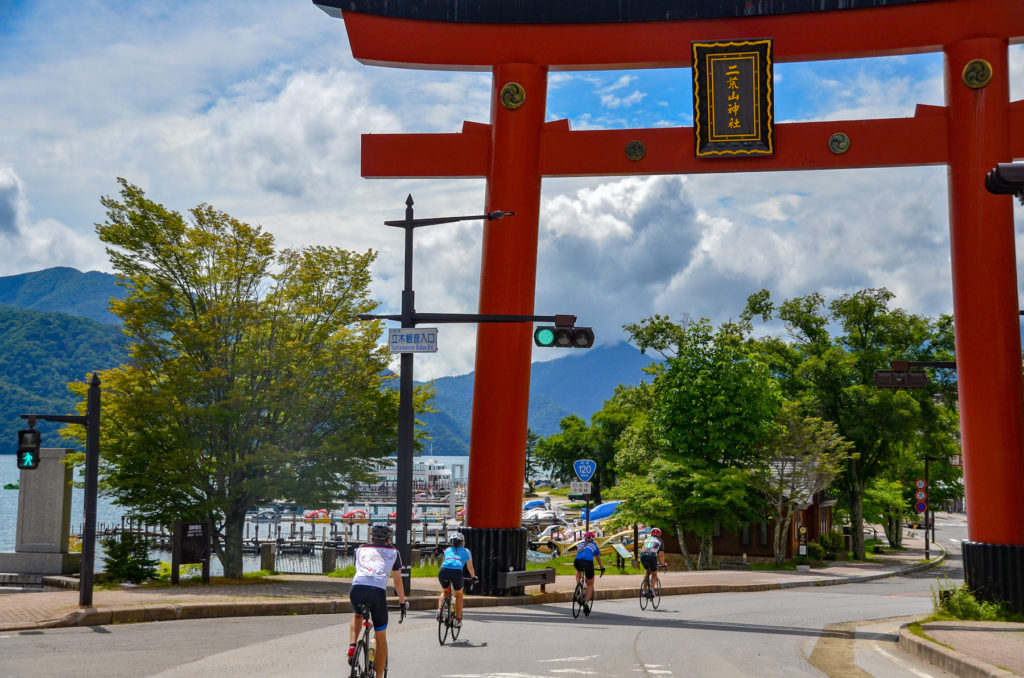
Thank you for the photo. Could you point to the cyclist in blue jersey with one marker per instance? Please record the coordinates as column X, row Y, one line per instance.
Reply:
column 586, row 553
column 374, row 561
column 456, row 557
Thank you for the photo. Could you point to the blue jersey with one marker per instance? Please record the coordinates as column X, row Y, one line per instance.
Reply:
column 456, row 557
column 587, row 551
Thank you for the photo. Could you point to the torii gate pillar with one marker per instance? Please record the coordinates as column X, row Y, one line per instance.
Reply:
column 985, row 306
column 501, row 394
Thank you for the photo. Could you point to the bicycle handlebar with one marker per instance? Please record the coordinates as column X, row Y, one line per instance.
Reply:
column 403, row 607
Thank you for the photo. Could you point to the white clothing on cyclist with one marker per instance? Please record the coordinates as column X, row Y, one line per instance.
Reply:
column 374, row 563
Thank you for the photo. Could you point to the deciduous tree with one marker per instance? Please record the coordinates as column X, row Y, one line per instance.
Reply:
column 249, row 377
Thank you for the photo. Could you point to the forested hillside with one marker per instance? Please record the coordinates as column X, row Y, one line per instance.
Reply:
column 39, row 354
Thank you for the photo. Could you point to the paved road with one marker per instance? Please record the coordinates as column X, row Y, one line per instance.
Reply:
column 795, row 632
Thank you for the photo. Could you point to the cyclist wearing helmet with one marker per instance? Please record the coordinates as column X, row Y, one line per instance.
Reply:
column 456, row 557
column 652, row 553
column 584, row 564
column 374, row 561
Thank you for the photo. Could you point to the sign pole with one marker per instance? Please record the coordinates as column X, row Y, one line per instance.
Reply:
column 586, row 527
column 927, row 553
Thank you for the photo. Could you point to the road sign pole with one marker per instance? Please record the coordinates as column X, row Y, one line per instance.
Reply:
column 586, row 527
column 927, row 554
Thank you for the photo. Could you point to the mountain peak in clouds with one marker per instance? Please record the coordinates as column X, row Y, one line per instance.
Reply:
column 63, row 290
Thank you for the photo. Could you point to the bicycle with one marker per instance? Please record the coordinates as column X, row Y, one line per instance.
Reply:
column 363, row 662
column 446, row 624
column 579, row 599
column 651, row 593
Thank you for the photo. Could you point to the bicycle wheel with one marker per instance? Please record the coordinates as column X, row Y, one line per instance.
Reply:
column 443, row 623
column 656, row 590
column 578, row 596
column 361, row 660
column 454, row 621
column 645, row 589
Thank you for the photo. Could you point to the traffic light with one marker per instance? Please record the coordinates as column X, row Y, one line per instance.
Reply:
column 563, row 336
column 1007, row 179
column 28, row 449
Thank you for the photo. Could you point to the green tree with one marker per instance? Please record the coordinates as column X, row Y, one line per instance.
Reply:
column 802, row 457
column 576, row 440
column 886, row 504
column 532, row 465
column 834, row 377
column 714, row 406
column 249, row 378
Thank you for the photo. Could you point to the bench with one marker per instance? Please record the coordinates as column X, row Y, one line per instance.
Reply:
column 519, row 578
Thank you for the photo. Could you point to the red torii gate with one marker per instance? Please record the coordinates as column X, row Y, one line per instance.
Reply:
column 976, row 129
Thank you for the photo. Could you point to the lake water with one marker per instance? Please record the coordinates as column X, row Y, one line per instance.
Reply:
column 109, row 514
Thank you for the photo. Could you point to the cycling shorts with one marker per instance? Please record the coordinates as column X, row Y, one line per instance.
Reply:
column 584, row 566
column 449, row 576
column 376, row 599
column 649, row 561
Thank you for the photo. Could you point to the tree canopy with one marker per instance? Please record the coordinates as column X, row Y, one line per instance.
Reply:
column 249, row 377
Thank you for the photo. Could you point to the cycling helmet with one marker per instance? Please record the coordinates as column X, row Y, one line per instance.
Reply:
column 380, row 534
column 457, row 539
column 656, row 532
column 588, row 535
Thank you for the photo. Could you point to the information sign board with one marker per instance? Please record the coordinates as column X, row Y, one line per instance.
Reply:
column 579, row 487
column 412, row 340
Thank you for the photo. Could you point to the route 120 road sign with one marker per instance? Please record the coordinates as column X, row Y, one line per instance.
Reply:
column 584, row 468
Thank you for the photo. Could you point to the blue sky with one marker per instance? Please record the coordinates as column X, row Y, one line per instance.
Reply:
column 257, row 106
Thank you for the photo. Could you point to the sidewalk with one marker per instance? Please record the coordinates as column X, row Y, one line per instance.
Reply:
column 975, row 648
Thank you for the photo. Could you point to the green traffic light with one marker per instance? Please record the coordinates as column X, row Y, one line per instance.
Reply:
column 544, row 336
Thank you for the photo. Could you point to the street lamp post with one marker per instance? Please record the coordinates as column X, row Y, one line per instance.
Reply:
column 409, row 318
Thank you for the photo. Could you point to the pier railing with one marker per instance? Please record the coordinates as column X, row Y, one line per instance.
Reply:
column 297, row 547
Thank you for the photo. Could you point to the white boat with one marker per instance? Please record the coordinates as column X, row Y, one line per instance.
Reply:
column 425, row 473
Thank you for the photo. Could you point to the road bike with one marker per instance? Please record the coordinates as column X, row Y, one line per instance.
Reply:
column 579, row 598
column 363, row 659
column 447, row 622
column 651, row 593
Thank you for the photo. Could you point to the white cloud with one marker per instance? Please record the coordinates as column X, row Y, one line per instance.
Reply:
column 257, row 108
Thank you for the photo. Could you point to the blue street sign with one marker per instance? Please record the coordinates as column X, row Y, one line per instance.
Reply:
column 584, row 468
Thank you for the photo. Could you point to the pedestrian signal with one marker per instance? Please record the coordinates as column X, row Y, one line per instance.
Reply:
column 28, row 449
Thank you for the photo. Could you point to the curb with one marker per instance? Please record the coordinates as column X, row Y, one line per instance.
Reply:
column 946, row 659
column 248, row 608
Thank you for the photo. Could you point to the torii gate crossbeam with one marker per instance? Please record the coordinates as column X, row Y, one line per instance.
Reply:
column 977, row 128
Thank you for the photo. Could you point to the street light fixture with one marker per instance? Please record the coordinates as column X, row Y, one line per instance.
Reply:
column 409, row 318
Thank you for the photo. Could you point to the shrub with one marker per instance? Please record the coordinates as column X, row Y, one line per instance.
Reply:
column 127, row 559
column 960, row 603
column 833, row 543
column 188, row 571
column 815, row 552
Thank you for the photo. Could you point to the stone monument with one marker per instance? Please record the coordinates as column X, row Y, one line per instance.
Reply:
column 44, row 519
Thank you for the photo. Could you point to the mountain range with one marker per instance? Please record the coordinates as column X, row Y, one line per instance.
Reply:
column 55, row 327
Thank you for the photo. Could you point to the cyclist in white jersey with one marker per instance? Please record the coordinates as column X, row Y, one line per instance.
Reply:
column 374, row 562
column 652, row 554
column 456, row 557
